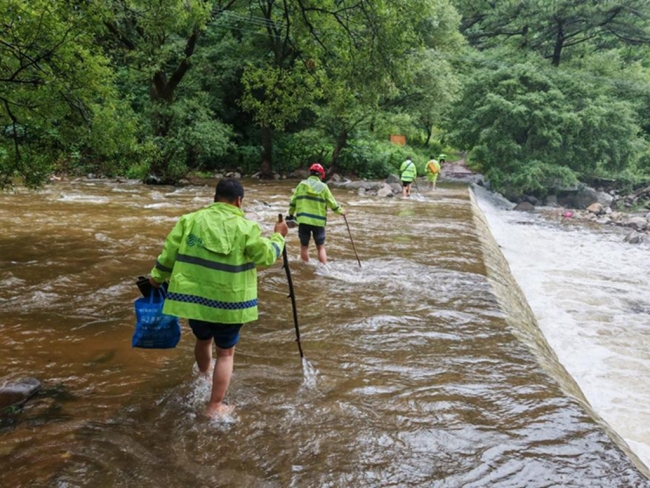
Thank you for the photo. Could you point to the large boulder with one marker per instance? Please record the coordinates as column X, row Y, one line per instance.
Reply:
column 393, row 179
column 605, row 199
column 580, row 198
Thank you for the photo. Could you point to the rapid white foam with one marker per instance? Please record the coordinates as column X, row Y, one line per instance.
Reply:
column 589, row 292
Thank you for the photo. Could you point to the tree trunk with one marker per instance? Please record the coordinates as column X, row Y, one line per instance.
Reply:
column 266, row 168
column 559, row 44
column 341, row 142
column 429, row 134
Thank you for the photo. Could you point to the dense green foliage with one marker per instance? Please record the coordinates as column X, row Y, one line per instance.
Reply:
column 540, row 94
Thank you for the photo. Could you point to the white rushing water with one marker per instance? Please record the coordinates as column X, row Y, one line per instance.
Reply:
column 590, row 293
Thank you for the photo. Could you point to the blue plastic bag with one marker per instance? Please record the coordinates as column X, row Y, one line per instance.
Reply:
column 154, row 329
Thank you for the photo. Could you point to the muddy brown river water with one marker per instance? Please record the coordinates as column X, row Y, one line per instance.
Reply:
column 425, row 366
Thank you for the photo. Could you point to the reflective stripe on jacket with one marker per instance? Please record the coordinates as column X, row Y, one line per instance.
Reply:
column 408, row 170
column 310, row 201
column 211, row 256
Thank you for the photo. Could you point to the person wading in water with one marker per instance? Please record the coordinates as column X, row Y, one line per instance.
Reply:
column 408, row 173
column 433, row 169
column 210, row 258
column 308, row 206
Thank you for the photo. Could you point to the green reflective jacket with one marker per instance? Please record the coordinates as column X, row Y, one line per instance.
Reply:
column 408, row 170
column 310, row 201
column 211, row 257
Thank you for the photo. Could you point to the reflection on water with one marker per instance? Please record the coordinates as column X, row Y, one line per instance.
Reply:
column 413, row 373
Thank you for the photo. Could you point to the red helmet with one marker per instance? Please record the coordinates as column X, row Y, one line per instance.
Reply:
column 319, row 169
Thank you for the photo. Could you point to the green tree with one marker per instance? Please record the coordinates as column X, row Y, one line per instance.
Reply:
column 156, row 41
column 394, row 44
column 531, row 129
column 552, row 28
column 56, row 90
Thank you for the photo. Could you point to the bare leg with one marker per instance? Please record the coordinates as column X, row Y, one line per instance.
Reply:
column 404, row 194
column 220, row 381
column 203, row 355
column 322, row 255
column 304, row 253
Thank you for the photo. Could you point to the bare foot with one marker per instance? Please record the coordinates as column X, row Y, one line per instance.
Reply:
column 218, row 411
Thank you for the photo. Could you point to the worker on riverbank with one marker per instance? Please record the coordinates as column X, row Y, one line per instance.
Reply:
column 408, row 173
column 309, row 203
column 210, row 258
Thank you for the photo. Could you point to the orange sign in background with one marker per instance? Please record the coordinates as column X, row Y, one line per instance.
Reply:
column 397, row 139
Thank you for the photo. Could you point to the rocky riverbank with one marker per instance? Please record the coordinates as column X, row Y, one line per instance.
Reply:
column 581, row 204
column 584, row 204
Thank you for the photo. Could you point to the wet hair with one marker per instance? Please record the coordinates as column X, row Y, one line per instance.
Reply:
column 228, row 190
column 315, row 173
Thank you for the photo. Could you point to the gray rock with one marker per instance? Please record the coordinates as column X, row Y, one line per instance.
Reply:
column 596, row 208
column 385, row 191
column 634, row 238
column 581, row 198
column 16, row 393
column 396, row 187
column 605, row 199
column 616, row 216
column 531, row 199
column 393, row 179
column 551, row 201
column 524, row 207
column 637, row 223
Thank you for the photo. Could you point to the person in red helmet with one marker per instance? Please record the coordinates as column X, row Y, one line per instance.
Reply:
column 308, row 206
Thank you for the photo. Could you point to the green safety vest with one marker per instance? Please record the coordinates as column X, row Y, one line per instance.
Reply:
column 211, row 256
column 310, row 201
column 408, row 170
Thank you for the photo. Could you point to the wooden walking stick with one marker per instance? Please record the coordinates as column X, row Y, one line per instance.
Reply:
column 350, row 234
column 292, row 295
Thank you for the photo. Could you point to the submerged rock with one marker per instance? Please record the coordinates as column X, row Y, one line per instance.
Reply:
column 16, row 393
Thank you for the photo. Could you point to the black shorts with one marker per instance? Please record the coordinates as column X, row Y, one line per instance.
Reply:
column 305, row 231
column 225, row 335
column 406, row 183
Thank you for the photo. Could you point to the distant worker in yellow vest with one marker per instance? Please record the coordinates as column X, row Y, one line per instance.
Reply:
column 433, row 168
column 408, row 172
column 308, row 206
